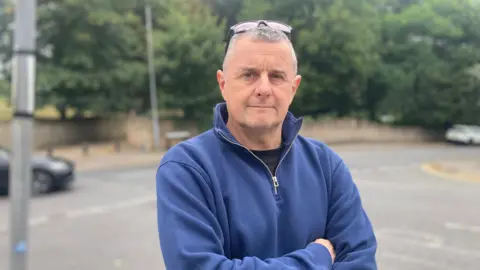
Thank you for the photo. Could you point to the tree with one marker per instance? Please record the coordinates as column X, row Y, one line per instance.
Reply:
column 335, row 43
column 6, row 18
column 416, row 60
column 90, row 55
column 432, row 45
column 189, row 50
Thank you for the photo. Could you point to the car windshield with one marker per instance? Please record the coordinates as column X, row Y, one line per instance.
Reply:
column 460, row 128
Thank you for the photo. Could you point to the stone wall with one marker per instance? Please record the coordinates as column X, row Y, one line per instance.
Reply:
column 137, row 131
column 350, row 130
column 49, row 133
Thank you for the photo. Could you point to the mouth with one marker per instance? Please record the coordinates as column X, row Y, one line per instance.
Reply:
column 261, row 107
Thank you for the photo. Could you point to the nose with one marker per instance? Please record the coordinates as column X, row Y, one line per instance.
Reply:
column 264, row 88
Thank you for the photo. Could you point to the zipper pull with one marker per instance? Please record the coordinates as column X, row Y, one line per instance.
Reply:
column 275, row 184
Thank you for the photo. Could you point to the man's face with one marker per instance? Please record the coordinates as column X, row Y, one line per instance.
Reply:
column 259, row 83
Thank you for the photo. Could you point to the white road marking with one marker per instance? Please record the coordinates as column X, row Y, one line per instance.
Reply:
column 462, row 227
column 356, row 170
column 413, row 237
column 94, row 210
column 117, row 263
column 32, row 222
column 109, row 208
column 39, row 220
column 424, row 240
column 386, row 168
column 413, row 260
column 393, row 168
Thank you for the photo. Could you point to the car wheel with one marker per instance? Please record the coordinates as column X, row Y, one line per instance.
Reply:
column 42, row 182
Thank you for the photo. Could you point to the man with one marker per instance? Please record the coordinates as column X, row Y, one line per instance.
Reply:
column 251, row 193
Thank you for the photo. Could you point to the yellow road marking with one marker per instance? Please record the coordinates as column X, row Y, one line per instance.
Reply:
column 451, row 173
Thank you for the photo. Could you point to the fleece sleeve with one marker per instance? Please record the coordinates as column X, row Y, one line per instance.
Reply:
column 349, row 229
column 190, row 235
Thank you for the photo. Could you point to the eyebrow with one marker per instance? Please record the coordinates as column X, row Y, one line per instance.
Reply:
column 279, row 72
column 251, row 69
column 248, row 69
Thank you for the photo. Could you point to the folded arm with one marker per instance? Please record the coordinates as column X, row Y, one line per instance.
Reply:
column 349, row 229
column 191, row 237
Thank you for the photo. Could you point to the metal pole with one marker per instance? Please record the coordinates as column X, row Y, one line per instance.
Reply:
column 23, row 100
column 2, row 7
column 153, row 84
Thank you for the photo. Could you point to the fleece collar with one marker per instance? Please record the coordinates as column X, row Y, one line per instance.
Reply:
column 291, row 125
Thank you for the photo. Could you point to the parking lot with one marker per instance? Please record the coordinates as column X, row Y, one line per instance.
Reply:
column 108, row 221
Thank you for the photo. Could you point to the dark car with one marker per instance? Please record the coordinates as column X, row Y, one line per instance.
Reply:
column 49, row 173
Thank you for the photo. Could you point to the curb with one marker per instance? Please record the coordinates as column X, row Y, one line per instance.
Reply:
column 117, row 168
column 125, row 163
column 451, row 173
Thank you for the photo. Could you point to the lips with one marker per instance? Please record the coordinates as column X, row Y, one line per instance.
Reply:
column 261, row 107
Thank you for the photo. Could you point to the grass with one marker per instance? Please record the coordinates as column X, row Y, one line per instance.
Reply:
column 48, row 112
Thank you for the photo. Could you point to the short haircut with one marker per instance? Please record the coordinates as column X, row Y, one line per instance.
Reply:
column 263, row 33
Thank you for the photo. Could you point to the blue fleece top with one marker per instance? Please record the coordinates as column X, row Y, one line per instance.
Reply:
column 218, row 207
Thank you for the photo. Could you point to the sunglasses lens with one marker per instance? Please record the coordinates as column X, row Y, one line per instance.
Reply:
column 280, row 27
column 249, row 25
column 244, row 26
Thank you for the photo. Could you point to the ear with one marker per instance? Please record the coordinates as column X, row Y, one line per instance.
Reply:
column 221, row 82
column 296, row 84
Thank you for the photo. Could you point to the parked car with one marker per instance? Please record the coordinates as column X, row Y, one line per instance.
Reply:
column 48, row 173
column 465, row 134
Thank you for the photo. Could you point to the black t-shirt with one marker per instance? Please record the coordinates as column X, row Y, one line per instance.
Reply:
column 269, row 157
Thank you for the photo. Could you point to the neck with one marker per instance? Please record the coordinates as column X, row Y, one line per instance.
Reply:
column 256, row 140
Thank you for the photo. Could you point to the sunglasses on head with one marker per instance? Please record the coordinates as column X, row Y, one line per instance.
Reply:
column 248, row 25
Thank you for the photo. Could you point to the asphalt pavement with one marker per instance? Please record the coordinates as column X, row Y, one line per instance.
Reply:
column 108, row 219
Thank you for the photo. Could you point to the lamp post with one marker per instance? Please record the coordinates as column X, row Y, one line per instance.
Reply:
column 152, row 80
column 23, row 100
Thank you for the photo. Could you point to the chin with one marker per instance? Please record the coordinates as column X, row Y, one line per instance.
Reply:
column 261, row 124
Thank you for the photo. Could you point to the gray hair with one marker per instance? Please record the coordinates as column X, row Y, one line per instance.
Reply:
column 263, row 33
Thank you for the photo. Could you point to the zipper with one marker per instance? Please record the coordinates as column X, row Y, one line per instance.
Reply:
column 274, row 177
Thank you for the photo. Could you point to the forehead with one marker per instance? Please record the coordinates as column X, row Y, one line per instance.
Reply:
column 247, row 52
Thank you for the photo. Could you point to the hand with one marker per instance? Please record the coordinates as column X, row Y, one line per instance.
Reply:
column 328, row 245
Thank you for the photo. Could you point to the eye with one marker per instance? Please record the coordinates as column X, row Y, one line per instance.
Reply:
column 277, row 77
column 248, row 75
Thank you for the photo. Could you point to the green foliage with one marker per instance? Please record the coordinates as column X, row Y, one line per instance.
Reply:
column 431, row 47
column 92, row 56
column 4, row 89
column 338, row 55
column 416, row 60
column 188, row 53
